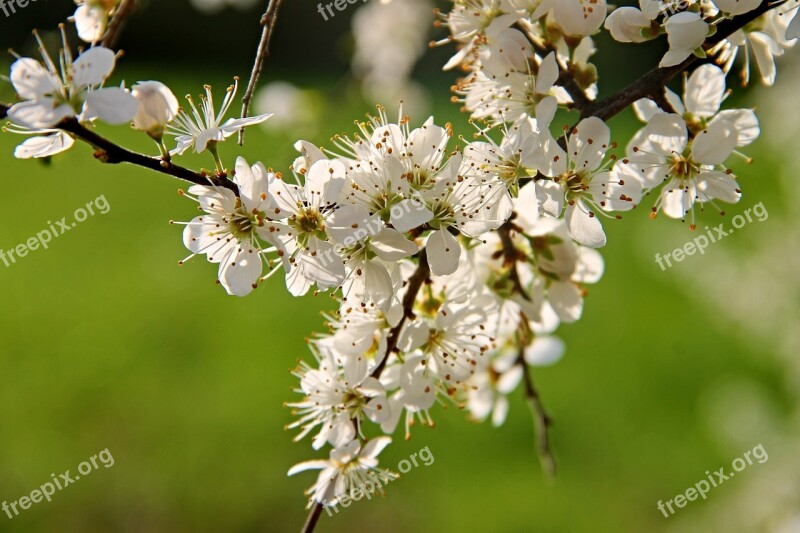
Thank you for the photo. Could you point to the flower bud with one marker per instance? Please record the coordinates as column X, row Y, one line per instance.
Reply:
column 157, row 108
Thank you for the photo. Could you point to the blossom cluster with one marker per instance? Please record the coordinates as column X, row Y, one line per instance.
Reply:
column 452, row 263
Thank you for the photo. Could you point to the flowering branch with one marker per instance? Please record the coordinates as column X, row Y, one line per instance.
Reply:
column 268, row 21
column 109, row 152
column 653, row 83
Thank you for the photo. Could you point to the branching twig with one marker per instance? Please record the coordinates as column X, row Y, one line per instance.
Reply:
column 268, row 21
column 114, row 30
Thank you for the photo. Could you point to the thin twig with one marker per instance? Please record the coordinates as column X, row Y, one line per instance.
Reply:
column 415, row 283
column 268, row 21
column 541, row 420
column 313, row 518
column 108, row 152
column 125, row 9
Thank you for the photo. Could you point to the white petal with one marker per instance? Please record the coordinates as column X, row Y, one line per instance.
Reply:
column 374, row 447
column 352, row 224
column 590, row 266
column 443, row 252
column 509, row 380
column 548, row 74
column 39, row 114
column 308, row 465
column 324, row 182
column 584, row 226
column 410, row 214
column 235, row 124
column 90, row 22
column 500, row 411
column 31, row 80
column 391, row 245
column 712, row 185
column 645, row 109
column 566, row 300
column 677, row 199
column 746, row 123
column 93, row 67
column 588, row 143
column 44, row 146
column 705, row 91
column 113, row 105
column 240, row 272
column 714, row 145
column 252, row 182
column 545, row 351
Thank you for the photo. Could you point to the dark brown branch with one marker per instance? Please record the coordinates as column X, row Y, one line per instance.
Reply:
column 415, row 283
column 313, row 518
column 268, row 21
column 654, row 81
column 125, row 9
column 108, row 152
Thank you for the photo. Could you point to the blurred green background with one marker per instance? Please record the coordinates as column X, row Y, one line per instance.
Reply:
column 108, row 343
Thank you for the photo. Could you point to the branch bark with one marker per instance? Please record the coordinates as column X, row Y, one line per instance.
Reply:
column 415, row 283
column 653, row 82
column 125, row 9
column 268, row 21
column 313, row 518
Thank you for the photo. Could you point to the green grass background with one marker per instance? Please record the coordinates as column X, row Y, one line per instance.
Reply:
column 108, row 343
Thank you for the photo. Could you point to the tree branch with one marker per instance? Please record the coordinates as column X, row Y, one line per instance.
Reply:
column 268, row 21
column 415, row 283
column 654, row 81
column 108, row 152
column 313, row 518
column 125, row 9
